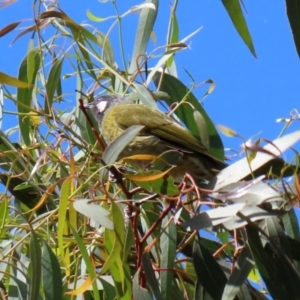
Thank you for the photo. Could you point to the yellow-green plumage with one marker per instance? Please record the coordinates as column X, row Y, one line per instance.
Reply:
column 161, row 133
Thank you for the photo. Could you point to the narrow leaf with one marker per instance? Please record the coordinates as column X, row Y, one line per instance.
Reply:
column 94, row 211
column 208, row 271
column 24, row 95
column 235, row 12
column 168, row 241
column 114, row 149
column 51, row 274
column 52, row 84
column 138, row 291
column 8, row 28
column 145, row 27
column 240, row 169
column 293, row 13
column 36, row 267
column 240, row 273
column 6, row 79
column 150, row 276
column 89, row 265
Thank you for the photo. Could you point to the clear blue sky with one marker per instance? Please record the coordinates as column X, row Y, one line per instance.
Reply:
column 250, row 93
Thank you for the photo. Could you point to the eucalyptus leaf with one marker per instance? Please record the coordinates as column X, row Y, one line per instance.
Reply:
column 240, row 273
column 168, row 252
column 114, row 149
column 145, row 27
column 178, row 91
column 235, row 12
column 144, row 95
column 94, row 212
column 213, row 217
column 138, row 291
column 208, row 271
column 240, row 169
column 293, row 13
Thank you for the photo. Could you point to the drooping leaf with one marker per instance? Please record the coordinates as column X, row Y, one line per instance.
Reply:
column 89, row 265
column 145, row 27
column 52, row 84
column 293, row 13
column 150, row 276
column 240, row 273
column 114, row 149
column 168, row 252
column 275, row 267
column 235, row 12
column 36, row 267
column 51, row 274
column 24, row 95
column 208, row 271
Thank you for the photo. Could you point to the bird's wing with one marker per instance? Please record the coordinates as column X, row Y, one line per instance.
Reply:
column 160, row 125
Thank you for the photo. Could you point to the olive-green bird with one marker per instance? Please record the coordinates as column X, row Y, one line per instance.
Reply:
column 161, row 133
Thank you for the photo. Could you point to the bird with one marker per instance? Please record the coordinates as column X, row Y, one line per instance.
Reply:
column 160, row 134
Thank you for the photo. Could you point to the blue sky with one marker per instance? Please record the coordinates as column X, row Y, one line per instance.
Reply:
column 250, row 93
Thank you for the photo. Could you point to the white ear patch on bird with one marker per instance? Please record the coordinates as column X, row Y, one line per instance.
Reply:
column 101, row 106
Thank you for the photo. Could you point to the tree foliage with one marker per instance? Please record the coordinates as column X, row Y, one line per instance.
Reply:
column 70, row 226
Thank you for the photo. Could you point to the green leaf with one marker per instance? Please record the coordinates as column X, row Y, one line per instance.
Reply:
column 6, row 79
column 109, row 289
column 62, row 213
column 235, row 12
column 128, row 243
column 178, row 91
column 150, row 276
column 202, row 128
column 89, row 266
column 138, row 291
column 277, row 235
column 114, row 244
column 168, row 241
column 208, row 271
column 78, row 36
column 107, row 48
column 293, row 13
column 116, row 238
column 24, row 95
column 145, row 27
column 174, row 33
column 144, row 95
column 95, row 212
column 291, row 224
column 36, row 267
column 114, row 149
column 94, row 18
column 51, row 274
column 52, row 84
column 240, row 273
column 275, row 266
column 4, row 212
